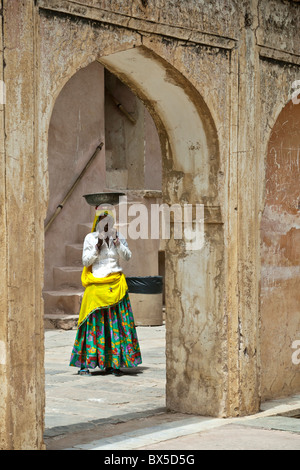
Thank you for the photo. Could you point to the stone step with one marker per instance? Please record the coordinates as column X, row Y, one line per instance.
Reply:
column 74, row 255
column 60, row 322
column 66, row 302
column 67, row 276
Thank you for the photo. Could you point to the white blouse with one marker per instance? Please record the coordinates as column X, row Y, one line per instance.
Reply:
column 107, row 260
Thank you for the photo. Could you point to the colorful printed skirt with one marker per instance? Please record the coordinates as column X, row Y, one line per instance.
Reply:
column 107, row 338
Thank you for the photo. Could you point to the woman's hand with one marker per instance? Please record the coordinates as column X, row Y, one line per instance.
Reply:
column 117, row 241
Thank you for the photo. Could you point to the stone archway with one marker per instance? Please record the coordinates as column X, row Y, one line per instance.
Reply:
column 190, row 164
column 280, row 248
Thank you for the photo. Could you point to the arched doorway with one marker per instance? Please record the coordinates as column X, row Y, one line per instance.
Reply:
column 280, row 251
column 86, row 112
column 190, row 160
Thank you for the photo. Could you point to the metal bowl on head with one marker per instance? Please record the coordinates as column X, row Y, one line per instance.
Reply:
column 103, row 198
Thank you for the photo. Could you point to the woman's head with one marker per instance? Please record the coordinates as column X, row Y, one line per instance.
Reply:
column 105, row 222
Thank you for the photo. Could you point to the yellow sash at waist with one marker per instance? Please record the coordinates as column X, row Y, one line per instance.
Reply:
column 100, row 292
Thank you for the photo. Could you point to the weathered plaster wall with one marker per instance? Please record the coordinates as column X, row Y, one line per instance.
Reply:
column 215, row 16
column 4, row 382
column 279, row 272
column 279, row 25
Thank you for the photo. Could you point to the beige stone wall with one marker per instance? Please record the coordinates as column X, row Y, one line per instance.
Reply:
column 223, row 71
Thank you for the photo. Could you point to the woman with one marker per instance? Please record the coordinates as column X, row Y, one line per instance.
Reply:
column 106, row 335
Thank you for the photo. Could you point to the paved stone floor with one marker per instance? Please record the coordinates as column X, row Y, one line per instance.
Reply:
column 73, row 400
column 103, row 412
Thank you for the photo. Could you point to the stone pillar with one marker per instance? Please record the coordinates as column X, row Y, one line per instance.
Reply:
column 3, row 268
column 21, row 340
column 213, row 329
column 244, row 195
column 195, row 334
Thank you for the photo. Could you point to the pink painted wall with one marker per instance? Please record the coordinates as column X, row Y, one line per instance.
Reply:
column 280, row 249
column 76, row 128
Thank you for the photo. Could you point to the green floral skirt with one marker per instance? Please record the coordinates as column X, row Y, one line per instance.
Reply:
column 107, row 338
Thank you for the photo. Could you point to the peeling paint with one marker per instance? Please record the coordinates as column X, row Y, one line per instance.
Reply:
column 2, row 353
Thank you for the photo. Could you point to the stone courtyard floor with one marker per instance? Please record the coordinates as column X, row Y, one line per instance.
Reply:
column 103, row 412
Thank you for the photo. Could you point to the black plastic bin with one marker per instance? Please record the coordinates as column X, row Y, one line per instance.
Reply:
column 145, row 285
column 146, row 296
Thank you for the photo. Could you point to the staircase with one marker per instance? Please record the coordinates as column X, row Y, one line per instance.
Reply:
column 62, row 305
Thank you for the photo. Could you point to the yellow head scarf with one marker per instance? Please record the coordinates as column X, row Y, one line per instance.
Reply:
column 98, row 214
